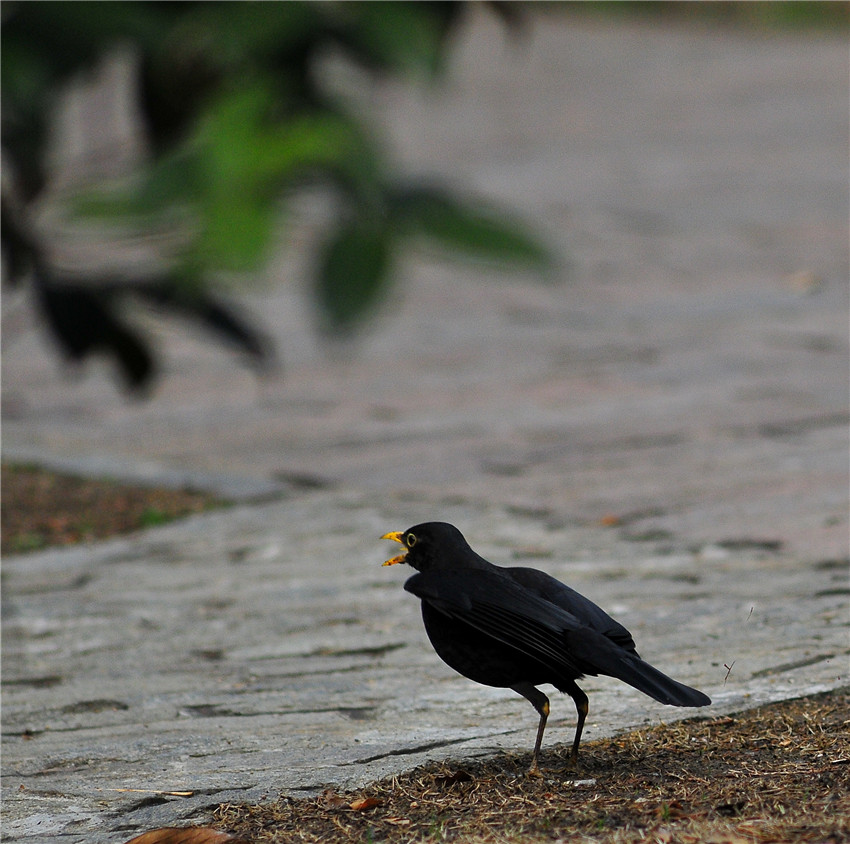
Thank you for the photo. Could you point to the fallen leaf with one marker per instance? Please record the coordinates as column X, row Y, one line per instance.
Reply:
column 365, row 803
column 804, row 281
column 186, row 835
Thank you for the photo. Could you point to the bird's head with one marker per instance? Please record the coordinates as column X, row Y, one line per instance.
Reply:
column 431, row 545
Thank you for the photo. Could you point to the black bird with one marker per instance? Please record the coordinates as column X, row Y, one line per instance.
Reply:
column 518, row 627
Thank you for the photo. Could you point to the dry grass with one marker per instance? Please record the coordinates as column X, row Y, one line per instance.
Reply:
column 774, row 774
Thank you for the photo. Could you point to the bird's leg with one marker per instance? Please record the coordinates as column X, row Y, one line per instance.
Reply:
column 580, row 700
column 541, row 703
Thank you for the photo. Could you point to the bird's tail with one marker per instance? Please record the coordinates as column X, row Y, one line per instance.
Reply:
column 606, row 657
column 649, row 680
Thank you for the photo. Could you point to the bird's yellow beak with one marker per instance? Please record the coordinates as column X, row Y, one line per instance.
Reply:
column 396, row 536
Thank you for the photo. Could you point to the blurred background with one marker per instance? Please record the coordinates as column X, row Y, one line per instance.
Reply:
column 585, row 260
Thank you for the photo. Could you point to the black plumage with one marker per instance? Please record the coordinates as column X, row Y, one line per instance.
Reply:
column 519, row 627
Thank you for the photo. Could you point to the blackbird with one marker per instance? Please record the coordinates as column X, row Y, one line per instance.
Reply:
column 519, row 627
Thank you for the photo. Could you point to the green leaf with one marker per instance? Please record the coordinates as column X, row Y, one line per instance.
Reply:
column 353, row 272
column 226, row 181
column 400, row 35
column 237, row 231
column 475, row 230
column 247, row 159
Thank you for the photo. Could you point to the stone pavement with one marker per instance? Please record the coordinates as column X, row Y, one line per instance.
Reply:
column 666, row 429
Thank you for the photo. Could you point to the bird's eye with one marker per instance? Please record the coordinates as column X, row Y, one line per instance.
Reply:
column 410, row 539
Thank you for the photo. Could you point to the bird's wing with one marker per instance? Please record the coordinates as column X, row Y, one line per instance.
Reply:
column 511, row 614
column 498, row 606
column 588, row 613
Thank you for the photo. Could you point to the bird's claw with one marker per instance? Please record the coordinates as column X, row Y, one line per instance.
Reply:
column 534, row 771
column 572, row 764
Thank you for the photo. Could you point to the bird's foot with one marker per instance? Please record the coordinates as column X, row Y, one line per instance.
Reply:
column 534, row 771
column 572, row 765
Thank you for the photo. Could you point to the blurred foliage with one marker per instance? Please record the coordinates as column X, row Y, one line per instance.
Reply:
column 762, row 15
column 237, row 120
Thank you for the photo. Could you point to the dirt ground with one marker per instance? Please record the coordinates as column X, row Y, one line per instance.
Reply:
column 777, row 773
column 774, row 774
column 42, row 509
